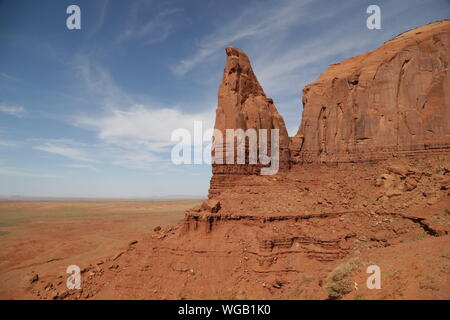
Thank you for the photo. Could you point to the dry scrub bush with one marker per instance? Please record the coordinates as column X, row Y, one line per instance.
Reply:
column 339, row 282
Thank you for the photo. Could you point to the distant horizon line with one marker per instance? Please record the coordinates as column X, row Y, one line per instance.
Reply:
column 37, row 198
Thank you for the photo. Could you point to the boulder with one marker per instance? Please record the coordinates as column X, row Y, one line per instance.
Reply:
column 410, row 184
column 211, row 205
column 400, row 170
column 385, row 180
column 34, row 278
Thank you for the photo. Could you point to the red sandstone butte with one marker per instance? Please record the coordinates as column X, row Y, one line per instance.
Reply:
column 242, row 104
column 392, row 100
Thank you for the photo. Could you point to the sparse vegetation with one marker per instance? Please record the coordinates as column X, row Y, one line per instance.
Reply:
column 420, row 236
column 297, row 292
column 444, row 255
column 445, row 269
column 307, row 278
column 428, row 286
column 359, row 296
column 339, row 282
column 441, row 170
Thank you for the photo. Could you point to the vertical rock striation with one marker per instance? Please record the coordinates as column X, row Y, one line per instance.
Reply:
column 389, row 101
column 242, row 104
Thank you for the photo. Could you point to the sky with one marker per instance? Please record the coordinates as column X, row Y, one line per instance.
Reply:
column 90, row 112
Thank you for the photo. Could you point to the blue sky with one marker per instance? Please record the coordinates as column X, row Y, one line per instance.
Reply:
column 89, row 113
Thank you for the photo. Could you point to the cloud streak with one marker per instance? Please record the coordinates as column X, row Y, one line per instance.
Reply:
column 67, row 149
column 12, row 110
column 133, row 132
column 8, row 77
column 258, row 21
column 15, row 172
column 81, row 166
column 142, row 127
column 155, row 28
column 8, row 144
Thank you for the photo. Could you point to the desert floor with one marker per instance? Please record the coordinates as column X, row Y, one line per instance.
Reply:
column 42, row 236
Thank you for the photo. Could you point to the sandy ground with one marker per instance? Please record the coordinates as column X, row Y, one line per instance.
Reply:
column 46, row 237
column 307, row 234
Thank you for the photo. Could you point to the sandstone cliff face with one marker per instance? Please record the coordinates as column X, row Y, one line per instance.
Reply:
column 388, row 101
column 242, row 104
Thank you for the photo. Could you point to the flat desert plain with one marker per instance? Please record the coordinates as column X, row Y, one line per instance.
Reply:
column 41, row 236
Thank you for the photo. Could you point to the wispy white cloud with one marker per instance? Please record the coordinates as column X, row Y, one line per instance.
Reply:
column 66, row 148
column 81, row 166
column 139, row 136
column 8, row 77
column 98, row 84
column 7, row 143
column 132, row 132
column 141, row 126
column 103, row 10
column 137, row 159
column 156, row 27
column 16, row 172
column 12, row 110
column 254, row 21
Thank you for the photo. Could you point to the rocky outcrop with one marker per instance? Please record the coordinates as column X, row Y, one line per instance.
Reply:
column 242, row 104
column 280, row 236
column 392, row 100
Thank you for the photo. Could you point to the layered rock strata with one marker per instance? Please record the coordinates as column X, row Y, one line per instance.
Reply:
column 393, row 100
column 242, row 104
